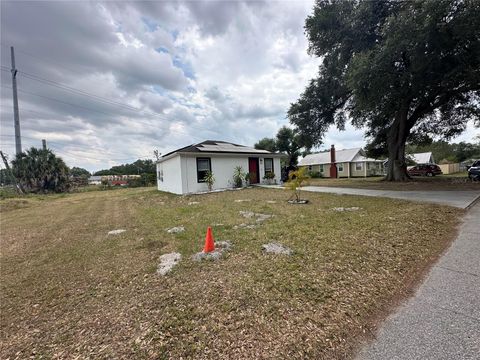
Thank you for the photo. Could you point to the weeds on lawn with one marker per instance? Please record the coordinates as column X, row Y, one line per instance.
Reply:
column 70, row 290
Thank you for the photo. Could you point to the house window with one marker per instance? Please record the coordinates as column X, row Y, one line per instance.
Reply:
column 268, row 166
column 321, row 168
column 358, row 166
column 340, row 167
column 310, row 167
column 160, row 175
column 203, row 166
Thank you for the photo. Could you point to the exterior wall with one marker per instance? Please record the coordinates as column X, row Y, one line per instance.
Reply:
column 372, row 169
column 277, row 169
column 450, row 168
column 349, row 169
column 353, row 169
column 172, row 175
column 222, row 169
column 184, row 168
column 322, row 169
column 375, row 168
column 343, row 173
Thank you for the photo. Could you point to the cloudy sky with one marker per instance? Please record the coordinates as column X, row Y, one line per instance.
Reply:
column 106, row 83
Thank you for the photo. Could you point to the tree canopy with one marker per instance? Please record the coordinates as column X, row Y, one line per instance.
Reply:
column 266, row 143
column 287, row 141
column 39, row 170
column 404, row 70
column 137, row 167
column 79, row 172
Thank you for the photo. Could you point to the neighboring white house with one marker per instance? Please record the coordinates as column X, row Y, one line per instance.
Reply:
column 423, row 158
column 183, row 171
column 347, row 162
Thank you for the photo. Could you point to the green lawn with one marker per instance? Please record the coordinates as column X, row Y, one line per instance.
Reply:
column 68, row 290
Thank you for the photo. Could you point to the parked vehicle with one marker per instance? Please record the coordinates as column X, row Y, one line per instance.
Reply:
column 425, row 170
column 474, row 171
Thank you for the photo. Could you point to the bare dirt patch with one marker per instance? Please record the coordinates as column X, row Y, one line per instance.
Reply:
column 276, row 248
column 168, row 262
column 176, row 229
column 221, row 247
column 116, row 232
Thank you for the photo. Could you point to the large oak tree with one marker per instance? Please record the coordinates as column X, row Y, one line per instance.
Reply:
column 403, row 70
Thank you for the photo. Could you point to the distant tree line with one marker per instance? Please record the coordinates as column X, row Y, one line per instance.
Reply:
column 443, row 151
column 138, row 167
column 41, row 171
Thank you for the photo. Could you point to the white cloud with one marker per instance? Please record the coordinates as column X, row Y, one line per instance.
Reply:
column 163, row 75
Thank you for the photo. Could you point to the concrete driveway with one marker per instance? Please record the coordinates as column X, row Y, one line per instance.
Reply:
column 460, row 199
column 442, row 320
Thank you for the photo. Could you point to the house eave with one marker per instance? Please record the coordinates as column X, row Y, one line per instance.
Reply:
column 222, row 153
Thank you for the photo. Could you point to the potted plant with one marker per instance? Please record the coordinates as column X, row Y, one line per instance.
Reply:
column 247, row 178
column 269, row 177
column 238, row 177
column 209, row 179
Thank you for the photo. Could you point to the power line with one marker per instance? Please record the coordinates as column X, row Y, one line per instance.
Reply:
column 47, row 116
column 75, row 145
column 98, row 111
column 85, row 157
column 99, row 98
column 76, row 156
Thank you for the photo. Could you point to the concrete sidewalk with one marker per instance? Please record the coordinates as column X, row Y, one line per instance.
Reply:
column 442, row 320
column 461, row 199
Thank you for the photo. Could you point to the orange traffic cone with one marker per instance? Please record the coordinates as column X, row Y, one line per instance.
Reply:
column 209, row 244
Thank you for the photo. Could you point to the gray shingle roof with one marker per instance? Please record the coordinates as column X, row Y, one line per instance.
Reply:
column 346, row 155
column 213, row 146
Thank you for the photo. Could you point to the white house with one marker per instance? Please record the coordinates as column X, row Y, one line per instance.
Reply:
column 183, row 171
column 423, row 158
column 342, row 163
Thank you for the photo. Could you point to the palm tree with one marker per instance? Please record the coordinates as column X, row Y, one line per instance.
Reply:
column 41, row 171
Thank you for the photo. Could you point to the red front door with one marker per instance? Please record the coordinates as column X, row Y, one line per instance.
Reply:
column 253, row 169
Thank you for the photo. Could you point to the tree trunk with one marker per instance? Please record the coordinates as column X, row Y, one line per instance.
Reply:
column 397, row 137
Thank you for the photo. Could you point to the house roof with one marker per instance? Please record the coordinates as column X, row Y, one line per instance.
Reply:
column 422, row 158
column 346, row 155
column 214, row 146
column 361, row 158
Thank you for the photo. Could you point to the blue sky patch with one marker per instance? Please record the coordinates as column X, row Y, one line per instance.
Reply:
column 185, row 67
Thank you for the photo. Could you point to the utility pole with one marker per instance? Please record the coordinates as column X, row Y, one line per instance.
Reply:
column 16, row 117
column 44, row 144
column 18, row 187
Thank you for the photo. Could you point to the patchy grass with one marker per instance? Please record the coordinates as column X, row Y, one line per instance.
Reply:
column 453, row 182
column 69, row 290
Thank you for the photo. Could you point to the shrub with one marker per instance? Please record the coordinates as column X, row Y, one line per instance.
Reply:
column 238, row 176
column 145, row 179
column 209, row 179
column 269, row 175
column 315, row 174
column 39, row 170
column 295, row 180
